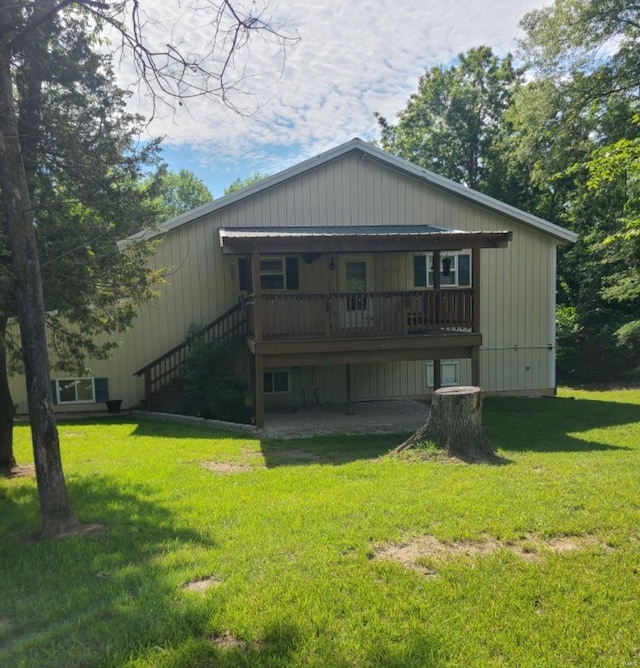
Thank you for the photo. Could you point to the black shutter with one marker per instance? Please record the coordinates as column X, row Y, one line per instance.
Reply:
column 420, row 271
column 293, row 281
column 464, row 270
column 243, row 274
column 101, row 386
column 54, row 393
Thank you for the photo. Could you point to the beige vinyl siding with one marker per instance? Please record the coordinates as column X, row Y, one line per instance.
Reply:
column 517, row 282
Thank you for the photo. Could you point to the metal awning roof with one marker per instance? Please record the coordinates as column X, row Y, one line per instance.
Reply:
column 355, row 239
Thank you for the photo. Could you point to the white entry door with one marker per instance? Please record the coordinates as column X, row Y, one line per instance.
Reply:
column 356, row 277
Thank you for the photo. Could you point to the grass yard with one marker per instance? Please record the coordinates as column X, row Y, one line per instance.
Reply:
column 219, row 550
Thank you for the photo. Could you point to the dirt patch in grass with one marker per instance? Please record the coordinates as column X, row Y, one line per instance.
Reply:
column 81, row 529
column 202, row 584
column 227, row 468
column 25, row 471
column 426, row 552
column 229, row 641
column 290, row 455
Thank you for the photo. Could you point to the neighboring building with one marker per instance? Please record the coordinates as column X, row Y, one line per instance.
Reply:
column 354, row 275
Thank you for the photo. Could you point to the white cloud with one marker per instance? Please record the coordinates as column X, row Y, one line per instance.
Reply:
column 354, row 58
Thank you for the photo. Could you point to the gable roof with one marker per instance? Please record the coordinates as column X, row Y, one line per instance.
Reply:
column 365, row 150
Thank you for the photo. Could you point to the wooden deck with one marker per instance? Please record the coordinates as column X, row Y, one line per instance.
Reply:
column 301, row 329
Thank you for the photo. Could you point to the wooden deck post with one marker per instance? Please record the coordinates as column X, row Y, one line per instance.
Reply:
column 437, row 366
column 259, row 391
column 348, row 378
column 256, row 289
column 437, row 375
column 475, row 356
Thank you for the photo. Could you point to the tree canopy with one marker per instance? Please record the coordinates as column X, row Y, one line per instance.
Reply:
column 557, row 137
column 69, row 176
column 178, row 192
column 453, row 123
column 239, row 183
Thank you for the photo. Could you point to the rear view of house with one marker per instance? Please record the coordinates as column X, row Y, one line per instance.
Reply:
column 352, row 276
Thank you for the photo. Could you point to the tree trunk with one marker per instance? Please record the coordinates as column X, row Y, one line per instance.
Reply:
column 55, row 505
column 454, row 424
column 7, row 459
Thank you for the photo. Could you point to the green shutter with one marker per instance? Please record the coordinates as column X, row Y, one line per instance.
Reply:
column 293, row 281
column 464, row 273
column 420, row 271
column 101, row 386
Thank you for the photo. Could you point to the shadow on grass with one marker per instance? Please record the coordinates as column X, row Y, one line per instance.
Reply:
column 76, row 600
column 148, row 427
column 327, row 450
column 550, row 424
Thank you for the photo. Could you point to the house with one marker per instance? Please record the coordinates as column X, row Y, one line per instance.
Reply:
column 351, row 276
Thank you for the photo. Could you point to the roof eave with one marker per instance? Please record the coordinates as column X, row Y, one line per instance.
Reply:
column 360, row 243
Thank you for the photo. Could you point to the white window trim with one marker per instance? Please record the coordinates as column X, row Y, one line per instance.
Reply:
column 452, row 254
column 283, row 272
column 273, row 371
column 59, row 400
column 443, row 363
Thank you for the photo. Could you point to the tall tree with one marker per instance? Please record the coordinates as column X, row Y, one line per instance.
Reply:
column 179, row 192
column 83, row 180
column 451, row 125
column 29, row 29
column 575, row 123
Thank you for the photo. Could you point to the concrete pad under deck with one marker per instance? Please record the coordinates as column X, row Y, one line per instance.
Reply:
column 369, row 417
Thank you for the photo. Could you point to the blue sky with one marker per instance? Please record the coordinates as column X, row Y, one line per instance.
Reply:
column 352, row 59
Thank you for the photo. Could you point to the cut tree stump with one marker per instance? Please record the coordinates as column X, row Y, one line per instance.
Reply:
column 454, row 424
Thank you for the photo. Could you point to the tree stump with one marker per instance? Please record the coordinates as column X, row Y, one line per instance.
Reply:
column 454, row 424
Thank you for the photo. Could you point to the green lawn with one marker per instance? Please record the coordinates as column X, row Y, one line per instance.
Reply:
column 536, row 560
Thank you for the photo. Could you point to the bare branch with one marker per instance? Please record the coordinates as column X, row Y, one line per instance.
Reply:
column 170, row 72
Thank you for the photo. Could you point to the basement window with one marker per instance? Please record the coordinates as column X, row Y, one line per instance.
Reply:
column 276, row 382
column 449, row 371
column 79, row 390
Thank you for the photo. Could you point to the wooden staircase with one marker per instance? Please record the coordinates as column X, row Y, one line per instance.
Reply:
column 166, row 369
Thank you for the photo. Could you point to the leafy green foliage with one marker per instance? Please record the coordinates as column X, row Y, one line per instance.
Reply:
column 576, row 123
column 452, row 124
column 239, row 183
column 212, row 386
column 84, row 166
column 179, row 192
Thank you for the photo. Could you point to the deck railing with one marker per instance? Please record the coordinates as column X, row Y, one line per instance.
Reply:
column 277, row 315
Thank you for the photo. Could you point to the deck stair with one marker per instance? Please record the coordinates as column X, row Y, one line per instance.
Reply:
column 166, row 370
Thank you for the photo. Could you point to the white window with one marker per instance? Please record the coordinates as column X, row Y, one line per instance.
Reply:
column 79, row 390
column 276, row 382
column 449, row 370
column 455, row 269
column 272, row 274
column 279, row 273
column 75, row 391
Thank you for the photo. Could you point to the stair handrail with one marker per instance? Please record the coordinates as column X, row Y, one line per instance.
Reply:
column 237, row 330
